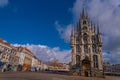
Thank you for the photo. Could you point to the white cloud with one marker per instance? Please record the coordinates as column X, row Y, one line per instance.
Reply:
column 64, row 32
column 107, row 13
column 113, row 57
column 3, row 3
column 46, row 53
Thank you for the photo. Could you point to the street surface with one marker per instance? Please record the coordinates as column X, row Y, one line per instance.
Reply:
column 46, row 76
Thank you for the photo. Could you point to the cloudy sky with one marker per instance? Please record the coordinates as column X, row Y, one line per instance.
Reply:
column 44, row 26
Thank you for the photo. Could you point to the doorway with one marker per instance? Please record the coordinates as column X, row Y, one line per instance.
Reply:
column 86, row 73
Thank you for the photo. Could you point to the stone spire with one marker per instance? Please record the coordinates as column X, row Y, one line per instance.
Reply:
column 98, row 32
column 94, row 28
column 72, row 32
column 79, row 24
column 91, row 25
column 84, row 13
column 75, row 29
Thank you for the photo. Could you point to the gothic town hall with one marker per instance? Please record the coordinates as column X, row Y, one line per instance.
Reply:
column 86, row 44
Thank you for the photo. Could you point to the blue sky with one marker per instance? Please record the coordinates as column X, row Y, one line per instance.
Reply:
column 32, row 21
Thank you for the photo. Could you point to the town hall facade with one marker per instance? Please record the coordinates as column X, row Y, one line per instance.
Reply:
column 86, row 44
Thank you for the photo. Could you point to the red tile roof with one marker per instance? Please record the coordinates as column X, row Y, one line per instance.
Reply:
column 5, row 43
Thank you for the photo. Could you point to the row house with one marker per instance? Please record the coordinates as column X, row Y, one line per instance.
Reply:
column 35, row 62
column 25, row 58
column 28, row 59
column 45, row 66
column 20, row 55
column 20, row 58
column 111, row 68
column 107, row 67
column 117, row 67
column 7, row 53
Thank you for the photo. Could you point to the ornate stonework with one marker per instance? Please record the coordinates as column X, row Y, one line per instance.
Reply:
column 86, row 44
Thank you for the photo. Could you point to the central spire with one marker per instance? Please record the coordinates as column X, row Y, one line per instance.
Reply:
column 84, row 13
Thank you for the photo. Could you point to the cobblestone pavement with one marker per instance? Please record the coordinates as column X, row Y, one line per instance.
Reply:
column 46, row 76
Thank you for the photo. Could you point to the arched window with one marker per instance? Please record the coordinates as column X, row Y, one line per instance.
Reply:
column 77, row 40
column 93, row 39
column 94, row 48
column 85, row 48
column 77, row 61
column 84, row 22
column 95, row 60
column 85, row 38
column 85, row 28
column 77, row 48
